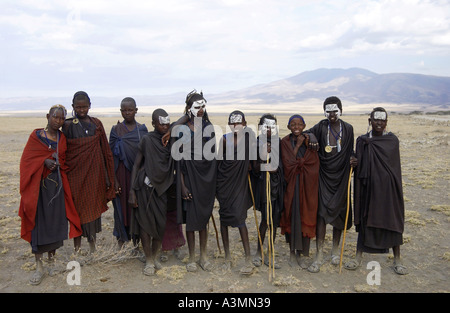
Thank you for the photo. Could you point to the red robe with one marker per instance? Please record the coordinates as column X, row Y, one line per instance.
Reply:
column 308, row 170
column 32, row 171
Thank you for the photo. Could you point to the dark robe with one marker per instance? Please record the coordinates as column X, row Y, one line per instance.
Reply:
column 200, row 179
column 91, row 166
column 277, row 187
column 37, row 201
column 152, row 198
column 233, row 191
column 334, row 175
column 124, row 146
column 378, row 193
column 301, row 173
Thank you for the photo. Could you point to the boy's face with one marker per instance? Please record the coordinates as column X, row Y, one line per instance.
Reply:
column 236, row 122
column 81, row 108
column 161, row 125
column 296, row 126
column 332, row 112
column 128, row 110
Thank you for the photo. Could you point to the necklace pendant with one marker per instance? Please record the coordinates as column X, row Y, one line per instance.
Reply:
column 75, row 121
column 328, row 149
column 87, row 131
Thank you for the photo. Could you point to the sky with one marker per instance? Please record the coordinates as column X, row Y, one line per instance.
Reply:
column 145, row 47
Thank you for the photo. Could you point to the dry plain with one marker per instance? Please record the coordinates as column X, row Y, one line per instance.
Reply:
column 424, row 143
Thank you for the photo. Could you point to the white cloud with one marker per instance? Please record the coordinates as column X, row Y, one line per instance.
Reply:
column 224, row 43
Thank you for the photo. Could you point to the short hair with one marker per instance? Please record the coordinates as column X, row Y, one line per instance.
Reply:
column 333, row 100
column 296, row 116
column 80, row 95
column 268, row 116
column 128, row 99
column 157, row 113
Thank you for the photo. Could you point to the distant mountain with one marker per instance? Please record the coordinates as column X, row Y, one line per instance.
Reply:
column 354, row 86
column 358, row 89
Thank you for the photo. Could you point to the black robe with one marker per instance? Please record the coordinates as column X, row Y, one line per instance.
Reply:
column 150, row 215
column 200, row 179
column 378, row 193
column 233, row 191
column 277, row 187
column 334, row 175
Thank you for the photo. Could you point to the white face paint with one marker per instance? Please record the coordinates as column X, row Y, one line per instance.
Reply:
column 235, row 119
column 332, row 107
column 269, row 124
column 164, row 120
column 378, row 115
column 197, row 106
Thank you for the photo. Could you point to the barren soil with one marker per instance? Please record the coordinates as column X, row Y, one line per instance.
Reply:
column 425, row 167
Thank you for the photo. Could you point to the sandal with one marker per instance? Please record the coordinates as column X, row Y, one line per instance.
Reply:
column 149, row 270
column 257, row 261
column 247, row 269
column 400, row 269
column 335, row 259
column 206, row 266
column 36, row 278
column 191, row 267
column 275, row 264
column 315, row 267
column 352, row 265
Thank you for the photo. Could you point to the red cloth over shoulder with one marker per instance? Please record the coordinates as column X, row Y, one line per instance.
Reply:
column 32, row 170
column 307, row 168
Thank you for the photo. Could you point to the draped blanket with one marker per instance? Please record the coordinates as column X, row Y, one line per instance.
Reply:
column 307, row 170
column 91, row 163
column 378, row 184
column 150, row 215
column 334, row 175
column 32, row 170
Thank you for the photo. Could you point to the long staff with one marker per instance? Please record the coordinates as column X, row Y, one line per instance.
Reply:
column 346, row 218
column 270, row 248
column 256, row 218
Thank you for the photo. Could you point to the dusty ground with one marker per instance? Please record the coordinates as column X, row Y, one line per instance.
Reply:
column 425, row 162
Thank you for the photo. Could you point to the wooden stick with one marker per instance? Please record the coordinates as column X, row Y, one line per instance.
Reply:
column 256, row 218
column 346, row 219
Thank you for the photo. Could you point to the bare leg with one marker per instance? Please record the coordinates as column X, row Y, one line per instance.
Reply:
column 149, row 268
column 191, row 266
column 38, row 275
column 335, row 253
column 204, row 263
column 399, row 268
column 248, row 267
column 320, row 238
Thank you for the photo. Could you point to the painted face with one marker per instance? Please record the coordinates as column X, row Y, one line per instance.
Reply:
column 269, row 127
column 237, row 121
column 332, row 112
column 379, row 123
column 198, row 108
column 162, row 124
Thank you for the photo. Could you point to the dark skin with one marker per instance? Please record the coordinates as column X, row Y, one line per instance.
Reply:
column 296, row 126
column 187, row 195
column 334, row 121
column 128, row 110
column 243, row 231
column 151, row 246
column 55, row 120
column 264, row 225
column 81, row 109
column 378, row 128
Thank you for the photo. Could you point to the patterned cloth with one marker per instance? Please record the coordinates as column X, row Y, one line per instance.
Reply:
column 91, row 163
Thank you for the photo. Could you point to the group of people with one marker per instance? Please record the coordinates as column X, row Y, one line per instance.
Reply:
column 162, row 179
